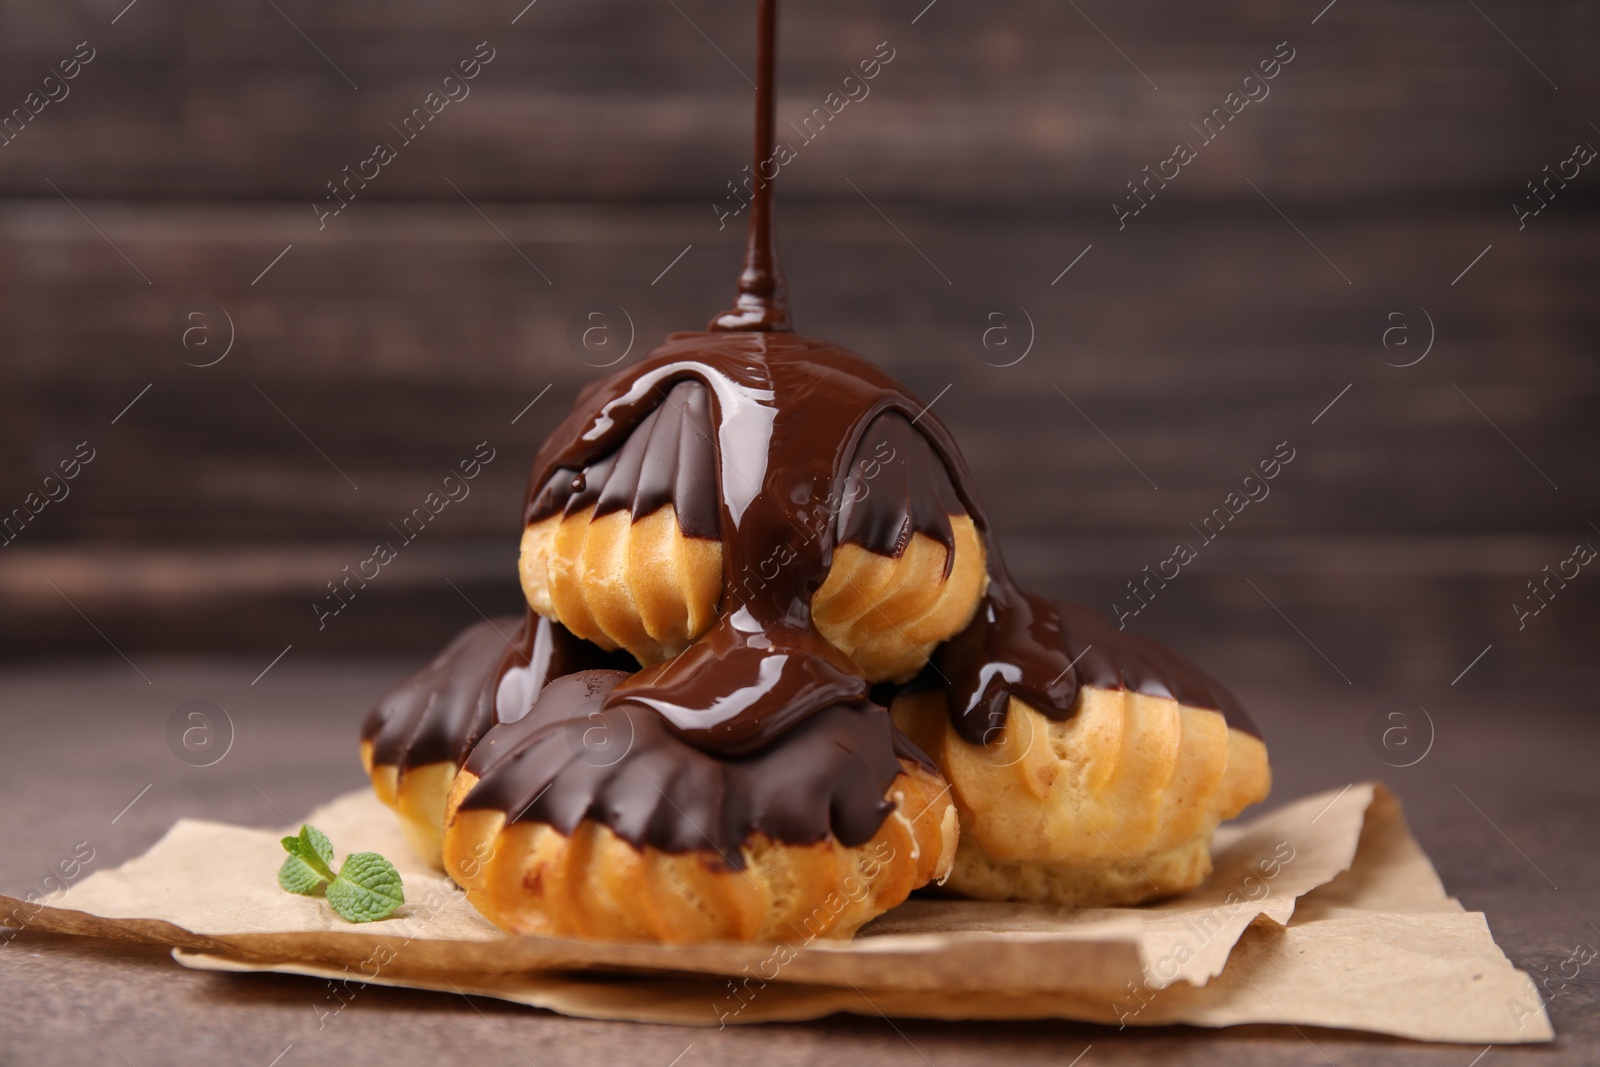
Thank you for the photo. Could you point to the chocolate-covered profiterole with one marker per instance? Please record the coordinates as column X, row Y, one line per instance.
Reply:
column 827, row 779
column 752, row 433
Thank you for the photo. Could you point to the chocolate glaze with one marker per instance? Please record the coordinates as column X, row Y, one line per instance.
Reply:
column 1042, row 652
column 575, row 757
column 668, row 459
column 439, row 713
column 898, row 486
column 781, row 447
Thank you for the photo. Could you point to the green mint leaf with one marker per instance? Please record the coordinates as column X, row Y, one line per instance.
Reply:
column 367, row 889
column 312, row 850
column 297, row 876
column 317, row 844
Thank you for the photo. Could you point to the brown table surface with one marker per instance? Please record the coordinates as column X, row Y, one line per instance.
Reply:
column 1504, row 802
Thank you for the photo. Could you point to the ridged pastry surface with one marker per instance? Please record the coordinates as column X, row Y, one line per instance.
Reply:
column 643, row 586
column 637, row 584
column 530, row 878
column 1115, row 804
column 418, row 797
column 887, row 614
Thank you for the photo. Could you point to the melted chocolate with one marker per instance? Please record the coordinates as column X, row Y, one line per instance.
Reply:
column 763, row 302
column 439, row 713
column 898, row 486
column 1022, row 645
column 793, row 416
column 575, row 757
column 668, row 459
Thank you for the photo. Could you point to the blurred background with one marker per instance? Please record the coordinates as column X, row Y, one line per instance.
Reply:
column 1381, row 259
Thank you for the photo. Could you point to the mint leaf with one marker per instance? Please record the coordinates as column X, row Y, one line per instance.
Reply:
column 367, row 888
column 314, row 842
column 297, row 876
column 311, row 850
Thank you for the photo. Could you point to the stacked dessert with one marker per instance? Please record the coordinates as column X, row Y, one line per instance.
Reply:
column 773, row 675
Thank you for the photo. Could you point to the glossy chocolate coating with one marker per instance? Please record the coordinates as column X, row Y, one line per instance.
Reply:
column 1042, row 652
column 576, row 758
column 439, row 713
column 898, row 486
column 668, row 459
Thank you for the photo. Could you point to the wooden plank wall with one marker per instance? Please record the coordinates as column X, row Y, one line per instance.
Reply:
column 1330, row 220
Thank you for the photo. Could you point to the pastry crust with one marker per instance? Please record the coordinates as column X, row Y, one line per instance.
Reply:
column 643, row 586
column 418, row 797
column 1114, row 805
column 529, row 878
column 889, row 613
column 640, row 585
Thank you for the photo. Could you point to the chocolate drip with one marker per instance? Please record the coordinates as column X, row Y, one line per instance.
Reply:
column 1041, row 652
column 763, row 303
column 898, row 486
column 439, row 713
column 746, row 684
column 668, row 459
column 575, row 757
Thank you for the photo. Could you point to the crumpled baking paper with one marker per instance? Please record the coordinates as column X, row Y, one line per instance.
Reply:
column 1323, row 912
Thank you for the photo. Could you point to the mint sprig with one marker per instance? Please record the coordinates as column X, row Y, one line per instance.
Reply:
column 365, row 889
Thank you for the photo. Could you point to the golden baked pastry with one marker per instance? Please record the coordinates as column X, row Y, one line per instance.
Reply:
column 909, row 567
column 545, row 826
column 1113, row 804
column 620, row 582
column 624, row 550
column 888, row 613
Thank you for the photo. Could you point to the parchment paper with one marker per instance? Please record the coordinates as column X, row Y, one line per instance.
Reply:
column 1323, row 912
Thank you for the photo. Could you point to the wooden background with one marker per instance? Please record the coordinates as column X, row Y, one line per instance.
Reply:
column 377, row 352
